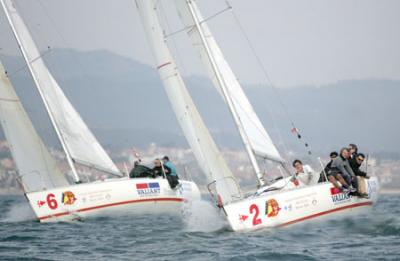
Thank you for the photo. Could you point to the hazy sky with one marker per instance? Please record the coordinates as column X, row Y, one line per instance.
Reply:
column 299, row 42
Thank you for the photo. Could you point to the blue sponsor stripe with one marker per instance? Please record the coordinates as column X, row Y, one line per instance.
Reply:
column 154, row 185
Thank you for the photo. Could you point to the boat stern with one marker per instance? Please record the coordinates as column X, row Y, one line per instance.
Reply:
column 189, row 190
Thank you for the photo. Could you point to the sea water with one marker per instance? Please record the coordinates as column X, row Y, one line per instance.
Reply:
column 200, row 234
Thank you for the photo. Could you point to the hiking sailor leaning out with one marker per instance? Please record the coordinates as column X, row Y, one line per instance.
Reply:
column 355, row 164
column 334, row 176
column 342, row 164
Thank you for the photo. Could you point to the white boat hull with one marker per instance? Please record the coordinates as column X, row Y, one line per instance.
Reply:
column 283, row 208
column 111, row 197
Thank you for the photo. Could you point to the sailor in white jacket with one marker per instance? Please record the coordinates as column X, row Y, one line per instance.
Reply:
column 304, row 173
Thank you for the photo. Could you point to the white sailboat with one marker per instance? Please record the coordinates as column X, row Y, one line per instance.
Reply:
column 46, row 188
column 278, row 204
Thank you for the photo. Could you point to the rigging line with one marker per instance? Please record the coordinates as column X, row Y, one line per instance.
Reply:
column 63, row 39
column 51, row 20
column 10, row 74
column 55, row 64
column 279, row 133
column 261, row 129
column 75, row 61
column 178, row 57
column 229, row 7
column 265, row 73
column 36, row 81
column 33, row 25
column 203, row 21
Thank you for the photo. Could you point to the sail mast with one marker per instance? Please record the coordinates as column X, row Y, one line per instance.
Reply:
column 59, row 135
column 227, row 97
column 199, row 138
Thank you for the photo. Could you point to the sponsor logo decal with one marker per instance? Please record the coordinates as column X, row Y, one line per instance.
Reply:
column 151, row 188
column 338, row 196
column 288, row 207
column 68, row 198
column 272, row 208
column 300, row 202
column 95, row 196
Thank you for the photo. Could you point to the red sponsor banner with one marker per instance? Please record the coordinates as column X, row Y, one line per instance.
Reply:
column 142, row 186
column 335, row 191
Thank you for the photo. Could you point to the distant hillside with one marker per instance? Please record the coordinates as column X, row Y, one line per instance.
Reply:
column 124, row 103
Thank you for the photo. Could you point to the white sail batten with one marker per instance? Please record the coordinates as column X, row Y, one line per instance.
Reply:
column 255, row 132
column 78, row 141
column 37, row 169
column 203, row 146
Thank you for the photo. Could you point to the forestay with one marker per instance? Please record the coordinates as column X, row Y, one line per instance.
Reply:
column 80, row 143
column 204, row 148
column 258, row 138
column 36, row 167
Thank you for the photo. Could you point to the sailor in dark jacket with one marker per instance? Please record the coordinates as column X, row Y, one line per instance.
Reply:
column 165, row 171
column 355, row 164
column 328, row 166
column 160, row 169
column 140, row 171
column 342, row 164
column 333, row 174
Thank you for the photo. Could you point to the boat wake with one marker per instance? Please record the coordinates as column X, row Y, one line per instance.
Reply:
column 202, row 216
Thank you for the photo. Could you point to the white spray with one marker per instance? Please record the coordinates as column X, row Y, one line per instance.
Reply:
column 202, row 216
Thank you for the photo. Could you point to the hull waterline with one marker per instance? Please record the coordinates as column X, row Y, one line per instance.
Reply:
column 288, row 207
column 111, row 197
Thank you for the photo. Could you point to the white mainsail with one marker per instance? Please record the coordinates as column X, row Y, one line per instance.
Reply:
column 204, row 148
column 258, row 137
column 77, row 140
column 36, row 167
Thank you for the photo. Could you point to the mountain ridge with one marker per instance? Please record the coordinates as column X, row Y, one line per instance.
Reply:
column 124, row 103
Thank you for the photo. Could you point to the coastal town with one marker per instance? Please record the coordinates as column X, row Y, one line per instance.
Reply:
column 387, row 168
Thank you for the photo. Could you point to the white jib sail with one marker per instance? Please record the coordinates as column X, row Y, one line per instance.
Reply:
column 80, row 142
column 204, row 148
column 36, row 167
column 258, row 137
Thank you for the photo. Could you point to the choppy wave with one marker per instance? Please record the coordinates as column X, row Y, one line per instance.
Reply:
column 201, row 234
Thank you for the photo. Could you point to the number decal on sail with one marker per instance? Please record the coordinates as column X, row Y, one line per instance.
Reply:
column 51, row 201
column 256, row 220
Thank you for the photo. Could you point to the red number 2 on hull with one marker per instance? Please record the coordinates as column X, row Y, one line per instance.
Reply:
column 51, row 202
column 256, row 220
